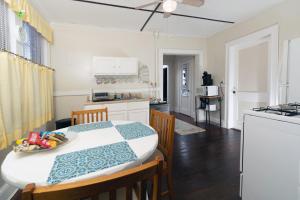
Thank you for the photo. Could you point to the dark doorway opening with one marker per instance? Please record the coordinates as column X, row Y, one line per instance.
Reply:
column 165, row 84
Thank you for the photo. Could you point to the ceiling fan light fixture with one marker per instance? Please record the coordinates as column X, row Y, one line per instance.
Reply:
column 169, row 5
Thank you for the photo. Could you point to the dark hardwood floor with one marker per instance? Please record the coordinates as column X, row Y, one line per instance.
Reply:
column 206, row 165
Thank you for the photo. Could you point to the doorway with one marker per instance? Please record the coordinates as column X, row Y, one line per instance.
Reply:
column 165, row 83
column 178, row 82
column 251, row 74
column 251, row 80
column 173, row 88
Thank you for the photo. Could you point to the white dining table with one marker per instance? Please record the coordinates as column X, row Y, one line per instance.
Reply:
column 20, row 169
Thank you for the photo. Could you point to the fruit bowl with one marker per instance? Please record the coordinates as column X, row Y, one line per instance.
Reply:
column 40, row 142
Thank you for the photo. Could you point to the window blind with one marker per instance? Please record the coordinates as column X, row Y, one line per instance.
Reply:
column 32, row 45
column 4, row 33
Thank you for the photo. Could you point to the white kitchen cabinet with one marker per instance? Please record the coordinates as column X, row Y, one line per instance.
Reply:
column 137, row 111
column 115, row 66
column 111, row 107
column 104, row 66
column 139, row 116
column 117, row 116
column 127, row 66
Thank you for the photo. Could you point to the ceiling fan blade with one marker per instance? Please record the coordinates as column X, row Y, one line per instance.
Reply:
column 196, row 3
column 148, row 4
column 167, row 14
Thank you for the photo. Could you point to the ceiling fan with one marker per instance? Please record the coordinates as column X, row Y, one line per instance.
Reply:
column 170, row 5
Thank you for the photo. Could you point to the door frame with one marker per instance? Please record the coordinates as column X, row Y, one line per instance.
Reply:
column 199, row 62
column 269, row 34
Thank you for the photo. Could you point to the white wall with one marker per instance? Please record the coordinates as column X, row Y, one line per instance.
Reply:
column 286, row 15
column 75, row 45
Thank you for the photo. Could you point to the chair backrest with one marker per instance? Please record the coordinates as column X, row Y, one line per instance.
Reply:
column 87, row 116
column 91, row 188
column 164, row 124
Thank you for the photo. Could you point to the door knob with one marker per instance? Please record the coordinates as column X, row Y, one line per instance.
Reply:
column 233, row 91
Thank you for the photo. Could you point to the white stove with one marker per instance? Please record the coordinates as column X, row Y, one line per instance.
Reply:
column 270, row 147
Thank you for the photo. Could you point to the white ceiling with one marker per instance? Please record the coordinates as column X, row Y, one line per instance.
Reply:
column 68, row 11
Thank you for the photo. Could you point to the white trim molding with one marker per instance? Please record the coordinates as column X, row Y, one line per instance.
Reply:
column 269, row 35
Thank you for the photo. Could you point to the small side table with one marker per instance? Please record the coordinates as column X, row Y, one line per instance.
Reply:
column 207, row 100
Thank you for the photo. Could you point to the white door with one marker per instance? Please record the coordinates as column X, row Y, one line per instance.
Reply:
column 251, row 80
column 293, row 94
column 185, row 88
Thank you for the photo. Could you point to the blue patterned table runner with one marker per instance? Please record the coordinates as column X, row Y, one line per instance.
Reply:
column 86, row 161
column 89, row 127
column 134, row 130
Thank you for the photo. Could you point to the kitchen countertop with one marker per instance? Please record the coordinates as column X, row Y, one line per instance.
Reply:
column 116, row 101
column 158, row 103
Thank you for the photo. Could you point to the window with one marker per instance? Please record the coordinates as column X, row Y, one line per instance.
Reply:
column 31, row 43
column 21, row 38
column 4, row 33
column 185, row 80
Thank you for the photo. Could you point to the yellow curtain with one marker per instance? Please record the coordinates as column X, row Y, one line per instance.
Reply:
column 32, row 17
column 26, row 97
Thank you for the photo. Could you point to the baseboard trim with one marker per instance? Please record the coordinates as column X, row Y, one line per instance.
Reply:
column 8, row 192
column 12, row 197
column 215, row 121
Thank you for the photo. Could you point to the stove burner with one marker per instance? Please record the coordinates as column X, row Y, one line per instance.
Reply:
column 291, row 109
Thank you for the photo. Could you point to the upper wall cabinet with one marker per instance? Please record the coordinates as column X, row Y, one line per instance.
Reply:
column 115, row 66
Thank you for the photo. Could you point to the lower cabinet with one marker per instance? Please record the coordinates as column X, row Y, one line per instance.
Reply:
column 131, row 111
column 117, row 116
column 139, row 116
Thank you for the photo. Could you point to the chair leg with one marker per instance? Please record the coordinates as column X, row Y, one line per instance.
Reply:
column 169, row 192
column 170, row 186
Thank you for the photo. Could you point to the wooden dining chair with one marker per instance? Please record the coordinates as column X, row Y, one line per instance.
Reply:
column 87, row 116
column 92, row 188
column 164, row 124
